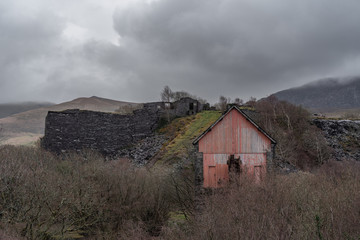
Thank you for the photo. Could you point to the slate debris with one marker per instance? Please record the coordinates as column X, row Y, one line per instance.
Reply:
column 141, row 152
column 343, row 136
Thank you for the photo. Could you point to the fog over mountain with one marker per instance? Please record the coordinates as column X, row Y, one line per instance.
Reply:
column 326, row 94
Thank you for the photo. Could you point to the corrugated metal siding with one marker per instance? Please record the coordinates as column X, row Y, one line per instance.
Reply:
column 214, row 178
column 234, row 135
column 218, row 164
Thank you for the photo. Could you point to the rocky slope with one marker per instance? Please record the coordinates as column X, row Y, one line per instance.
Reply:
column 143, row 151
column 343, row 136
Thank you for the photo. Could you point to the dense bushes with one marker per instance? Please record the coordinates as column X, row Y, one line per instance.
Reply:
column 321, row 205
column 299, row 142
column 43, row 196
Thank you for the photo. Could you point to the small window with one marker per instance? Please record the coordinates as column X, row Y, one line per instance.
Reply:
column 158, row 107
column 167, row 105
column 191, row 106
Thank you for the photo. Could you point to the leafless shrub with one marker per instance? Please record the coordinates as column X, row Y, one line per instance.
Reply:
column 321, row 205
column 298, row 141
column 44, row 196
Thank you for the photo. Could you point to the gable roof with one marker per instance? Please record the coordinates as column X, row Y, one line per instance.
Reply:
column 222, row 117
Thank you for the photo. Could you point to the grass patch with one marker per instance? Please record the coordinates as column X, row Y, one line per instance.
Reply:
column 183, row 131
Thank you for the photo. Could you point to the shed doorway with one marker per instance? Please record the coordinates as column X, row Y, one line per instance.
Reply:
column 234, row 164
column 212, row 176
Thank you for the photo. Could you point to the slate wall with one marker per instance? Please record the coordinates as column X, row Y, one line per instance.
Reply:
column 105, row 132
column 109, row 133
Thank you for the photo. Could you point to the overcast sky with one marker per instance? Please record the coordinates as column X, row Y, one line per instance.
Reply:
column 58, row 50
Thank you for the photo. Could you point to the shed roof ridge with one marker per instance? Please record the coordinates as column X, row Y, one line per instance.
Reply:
column 222, row 117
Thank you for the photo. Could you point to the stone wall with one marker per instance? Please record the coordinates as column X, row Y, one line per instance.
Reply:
column 105, row 132
column 183, row 107
column 109, row 133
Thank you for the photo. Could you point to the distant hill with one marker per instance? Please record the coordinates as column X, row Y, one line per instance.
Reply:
column 329, row 94
column 28, row 126
column 7, row 109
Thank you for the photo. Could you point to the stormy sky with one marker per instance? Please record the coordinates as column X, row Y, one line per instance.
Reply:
column 58, row 50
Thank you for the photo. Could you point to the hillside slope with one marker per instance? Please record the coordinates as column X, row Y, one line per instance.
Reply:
column 26, row 127
column 7, row 109
column 326, row 95
column 182, row 132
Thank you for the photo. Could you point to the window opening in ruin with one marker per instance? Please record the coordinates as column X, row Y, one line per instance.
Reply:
column 191, row 106
column 167, row 105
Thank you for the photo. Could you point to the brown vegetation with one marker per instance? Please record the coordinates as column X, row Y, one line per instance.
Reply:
column 48, row 197
column 299, row 142
column 320, row 205
column 80, row 196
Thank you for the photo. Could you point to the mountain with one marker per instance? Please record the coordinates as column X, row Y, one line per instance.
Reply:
column 7, row 109
column 329, row 94
column 28, row 126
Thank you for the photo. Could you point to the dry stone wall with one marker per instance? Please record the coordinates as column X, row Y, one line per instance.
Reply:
column 113, row 134
column 105, row 132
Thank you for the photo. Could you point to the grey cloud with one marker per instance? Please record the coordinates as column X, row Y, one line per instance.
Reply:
column 242, row 45
column 237, row 48
column 25, row 42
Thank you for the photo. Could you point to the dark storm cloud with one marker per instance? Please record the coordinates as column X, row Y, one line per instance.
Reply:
column 237, row 48
column 242, row 47
column 26, row 41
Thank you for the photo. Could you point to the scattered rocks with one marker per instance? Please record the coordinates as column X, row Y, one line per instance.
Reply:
column 141, row 152
column 343, row 136
column 285, row 168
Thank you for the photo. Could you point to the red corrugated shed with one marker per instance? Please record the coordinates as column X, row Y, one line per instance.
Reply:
column 233, row 142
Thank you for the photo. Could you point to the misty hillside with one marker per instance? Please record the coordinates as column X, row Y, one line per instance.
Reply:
column 7, row 109
column 28, row 126
column 326, row 94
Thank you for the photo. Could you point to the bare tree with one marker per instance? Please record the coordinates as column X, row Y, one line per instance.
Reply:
column 167, row 94
column 181, row 94
column 223, row 102
column 238, row 101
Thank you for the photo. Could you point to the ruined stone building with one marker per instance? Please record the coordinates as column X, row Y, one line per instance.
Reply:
column 234, row 143
column 109, row 133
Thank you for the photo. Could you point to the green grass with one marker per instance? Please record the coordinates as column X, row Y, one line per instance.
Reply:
column 183, row 131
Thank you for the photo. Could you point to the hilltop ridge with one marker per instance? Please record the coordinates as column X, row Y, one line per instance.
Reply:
column 329, row 94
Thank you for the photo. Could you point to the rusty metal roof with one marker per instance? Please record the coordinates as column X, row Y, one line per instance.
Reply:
column 246, row 117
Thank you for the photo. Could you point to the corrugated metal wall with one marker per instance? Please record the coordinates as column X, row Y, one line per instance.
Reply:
column 233, row 135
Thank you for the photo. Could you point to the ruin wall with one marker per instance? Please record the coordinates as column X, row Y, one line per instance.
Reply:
column 105, row 132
